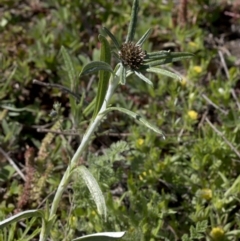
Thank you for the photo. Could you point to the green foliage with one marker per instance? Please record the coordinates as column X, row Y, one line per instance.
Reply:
column 105, row 56
column 185, row 187
column 196, row 233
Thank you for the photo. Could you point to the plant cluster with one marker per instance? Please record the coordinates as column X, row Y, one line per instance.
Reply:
column 179, row 183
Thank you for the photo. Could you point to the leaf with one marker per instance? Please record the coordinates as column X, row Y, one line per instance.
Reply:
column 145, row 79
column 141, row 41
column 164, row 57
column 202, row 226
column 19, row 216
column 167, row 53
column 106, row 236
column 72, row 75
column 185, row 237
column 96, row 66
column 159, row 54
column 234, row 188
column 104, row 76
column 122, row 75
column 133, row 22
column 94, row 190
column 234, row 233
column 142, row 120
column 8, row 80
column 164, row 72
column 15, row 109
column 114, row 40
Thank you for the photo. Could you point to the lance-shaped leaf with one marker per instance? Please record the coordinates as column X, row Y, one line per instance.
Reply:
column 112, row 37
column 164, row 58
column 133, row 22
column 104, row 76
column 164, row 72
column 106, row 236
column 234, row 188
column 96, row 66
column 167, row 54
column 145, row 79
column 158, row 54
column 140, row 119
column 94, row 190
column 122, row 75
column 141, row 41
column 19, row 216
column 72, row 75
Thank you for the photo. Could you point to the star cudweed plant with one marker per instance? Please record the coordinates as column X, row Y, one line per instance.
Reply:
column 132, row 60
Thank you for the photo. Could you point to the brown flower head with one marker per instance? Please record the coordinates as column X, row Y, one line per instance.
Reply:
column 131, row 55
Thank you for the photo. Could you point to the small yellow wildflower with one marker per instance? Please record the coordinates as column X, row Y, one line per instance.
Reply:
column 150, row 171
column 93, row 213
column 144, row 174
column 193, row 114
column 206, row 194
column 217, row 233
column 192, row 44
column 197, row 69
column 73, row 222
column 140, row 142
column 140, row 178
column 183, row 82
column 219, row 204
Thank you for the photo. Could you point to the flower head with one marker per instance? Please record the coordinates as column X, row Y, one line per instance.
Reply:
column 217, row 233
column 134, row 60
column 193, row 114
column 131, row 55
column 206, row 194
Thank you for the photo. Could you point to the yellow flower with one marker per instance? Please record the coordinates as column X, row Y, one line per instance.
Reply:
column 140, row 142
column 93, row 213
column 193, row 114
column 183, row 82
column 73, row 222
column 192, row 44
column 217, row 233
column 197, row 69
column 206, row 194
column 142, row 176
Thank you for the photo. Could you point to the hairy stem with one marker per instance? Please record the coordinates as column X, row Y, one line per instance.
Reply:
column 86, row 138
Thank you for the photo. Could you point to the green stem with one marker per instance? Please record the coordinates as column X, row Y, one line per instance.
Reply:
column 86, row 138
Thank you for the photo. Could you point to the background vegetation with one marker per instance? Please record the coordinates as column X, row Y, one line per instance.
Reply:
column 186, row 187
